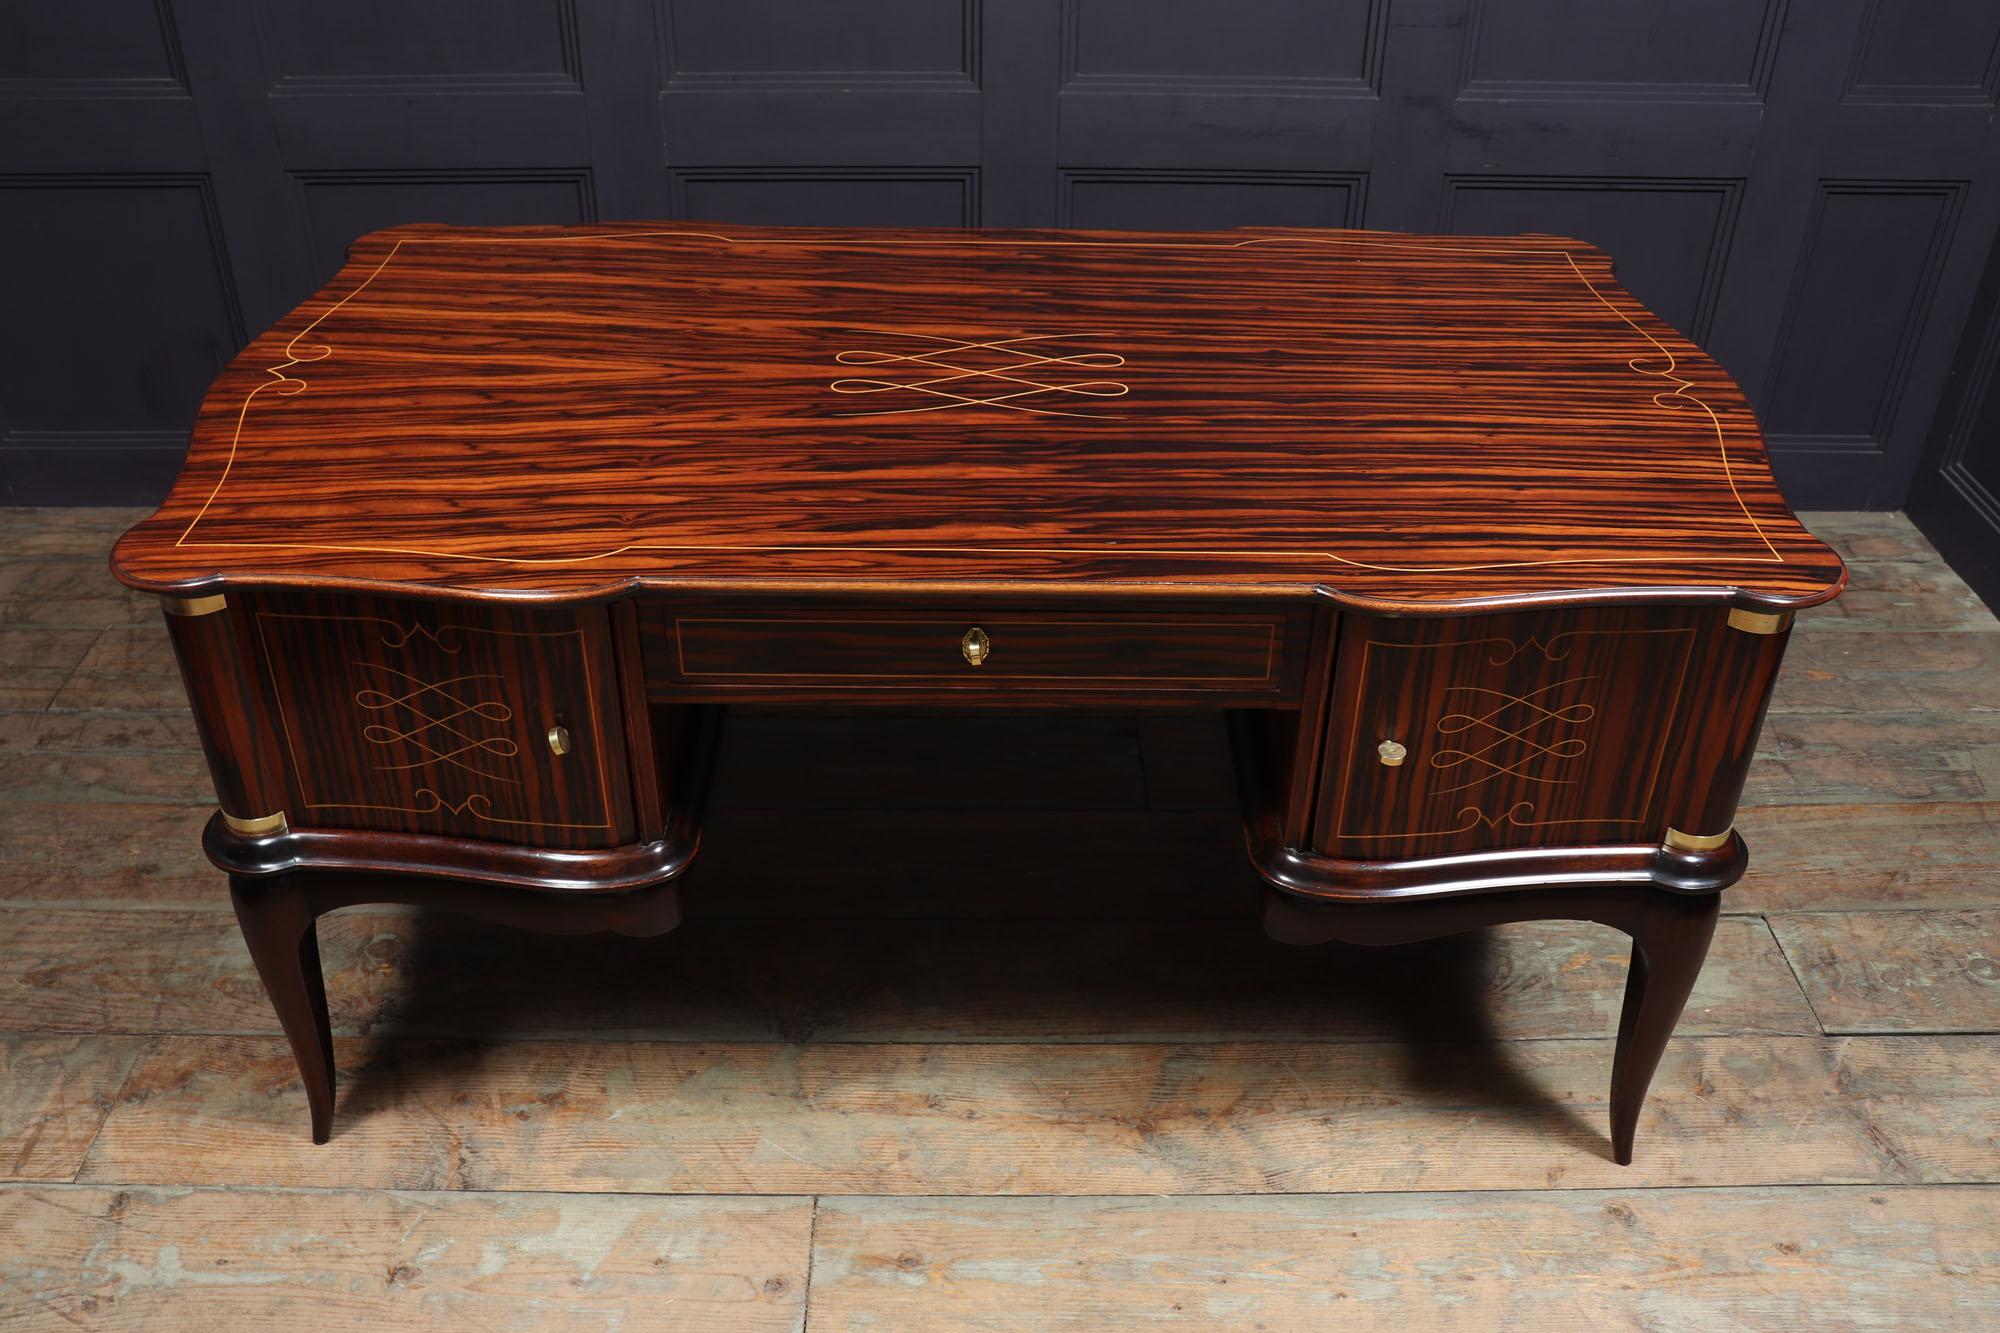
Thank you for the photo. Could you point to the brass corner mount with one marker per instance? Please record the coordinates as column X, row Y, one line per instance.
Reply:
column 260, row 826
column 1759, row 622
column 1677, row 841
column 195, row 606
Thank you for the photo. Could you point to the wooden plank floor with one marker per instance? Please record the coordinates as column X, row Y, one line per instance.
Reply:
column 978, row 1072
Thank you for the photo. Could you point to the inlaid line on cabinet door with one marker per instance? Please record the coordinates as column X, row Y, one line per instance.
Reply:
column 440, row 803
column 1512, row 813
column 417, row 688
column 1553, row 750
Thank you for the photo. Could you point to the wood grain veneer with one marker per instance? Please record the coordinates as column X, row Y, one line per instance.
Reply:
column 1539, row 727
column 1406, row 421
column 1168, row 652
column 1486, row 560
column 420, row 718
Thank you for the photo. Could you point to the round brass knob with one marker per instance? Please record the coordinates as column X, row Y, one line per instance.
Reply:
column 1392, row 752
column 976, row 646
column 559, row 739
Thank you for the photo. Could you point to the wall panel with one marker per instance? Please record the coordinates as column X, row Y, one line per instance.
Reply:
column 1592, row 48
column 340, row 205
column 1868, row 270
column 1810, row 191
column 1195, row 201
column 1670, row 238
column 74, row 47
column 842, row 199
column 1927, row 51
column 462, row 43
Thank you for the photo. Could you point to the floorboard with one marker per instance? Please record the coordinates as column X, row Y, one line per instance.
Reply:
column 1869, row 857
column 1919, row 971
column 1593, row 1260
column 99, row 970
column 1032, row 1118
column 1018, row 1057
column 54, row 1095
column 154, row 1259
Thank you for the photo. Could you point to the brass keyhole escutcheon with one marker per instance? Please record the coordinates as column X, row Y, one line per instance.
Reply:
column 1392, row 753
column 559, row 739
column 976, row 646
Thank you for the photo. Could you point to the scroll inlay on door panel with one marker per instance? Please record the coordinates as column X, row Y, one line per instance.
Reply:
column 1499, row 731
column 424, row 719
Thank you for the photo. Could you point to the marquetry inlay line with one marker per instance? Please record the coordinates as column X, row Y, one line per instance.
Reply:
column 1548, row 650
column 1681, row 393
column 970, row 391
column 1270, row 648
column 404, row 634
column 1472, row 817
column 1540, row 719
column 1512, row 815
column 288, row 385
column 417, row 699
column 477, row 803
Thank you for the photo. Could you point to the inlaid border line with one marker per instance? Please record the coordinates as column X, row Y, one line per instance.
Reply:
column 1339, row 815
column 292, row 385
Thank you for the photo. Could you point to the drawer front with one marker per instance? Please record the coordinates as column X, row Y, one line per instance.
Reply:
column 975, row 651
column 1551, row 728
column 432, row 718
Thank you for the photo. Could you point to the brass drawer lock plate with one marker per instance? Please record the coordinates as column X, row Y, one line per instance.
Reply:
column 976, row 646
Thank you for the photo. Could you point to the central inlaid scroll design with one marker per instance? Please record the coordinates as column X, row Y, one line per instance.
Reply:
column 1537, row 732
column 1497, row 734
column 435, row 718
column 1022, row 373
column 424, row 693
column 300, row 350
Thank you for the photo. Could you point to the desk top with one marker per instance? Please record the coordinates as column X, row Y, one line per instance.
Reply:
column 1404, row 421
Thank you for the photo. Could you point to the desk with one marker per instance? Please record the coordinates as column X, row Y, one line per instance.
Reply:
column 1483, row 560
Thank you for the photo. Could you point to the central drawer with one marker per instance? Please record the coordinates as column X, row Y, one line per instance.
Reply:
column 1172, row 652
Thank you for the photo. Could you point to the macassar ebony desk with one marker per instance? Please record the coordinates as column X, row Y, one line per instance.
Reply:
column 1483, row 560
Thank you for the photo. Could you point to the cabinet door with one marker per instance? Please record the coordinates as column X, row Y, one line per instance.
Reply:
column 1471, row 733
column 424, row 717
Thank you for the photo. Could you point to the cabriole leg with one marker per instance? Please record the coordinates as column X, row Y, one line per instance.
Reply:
column 278, row 912
column 1670, row 936
column 277, row 917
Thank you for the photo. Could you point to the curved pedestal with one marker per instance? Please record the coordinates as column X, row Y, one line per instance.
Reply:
column 278, row 915
column 1670, row 936
column 282, row 883
column 1666, row 900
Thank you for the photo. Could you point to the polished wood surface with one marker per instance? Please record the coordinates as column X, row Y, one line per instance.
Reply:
column 1407, row 421
column 994, row 650
column 485, row 722
column 1606, row 726
column 1485, row 560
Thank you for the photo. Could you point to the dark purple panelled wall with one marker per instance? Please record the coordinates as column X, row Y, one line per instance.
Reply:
column 1811, row 190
